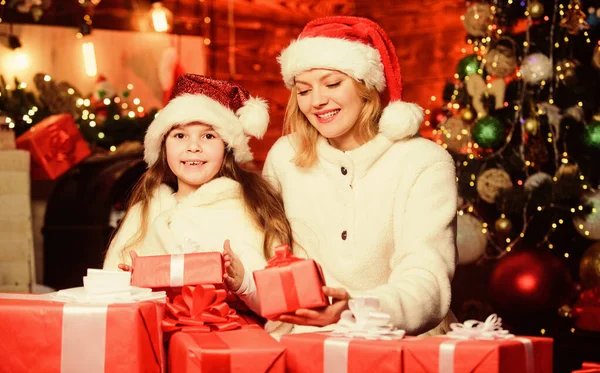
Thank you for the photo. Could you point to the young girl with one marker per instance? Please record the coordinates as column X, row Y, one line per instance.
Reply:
column 366, row 197
column 194, row 195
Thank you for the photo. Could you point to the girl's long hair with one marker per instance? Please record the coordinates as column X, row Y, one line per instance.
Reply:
column 263, row 203
column 157, row 174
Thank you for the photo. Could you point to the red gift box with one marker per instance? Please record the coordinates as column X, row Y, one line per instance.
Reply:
column 586, row 311
column 444, row 354
column 55, row 145
column 248, row 350
column 588, row 367
column 289, row 283
column 38, row 334
column 324, row 353
column 166, row 271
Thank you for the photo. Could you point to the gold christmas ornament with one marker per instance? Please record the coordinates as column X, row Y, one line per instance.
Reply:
column 470, row 239
column 467, row 114
column 574, row 19
column 589, row 226
column 566, row 70
column 490, row 182
column 477, row 19
column 589, row 267
column 567, row 170
column 565, row 311
column 596, row 57
column 501, row 60
column 534, row 181
column 455, row 133
column 503, row 226
column 536, row 10
column 531, row 125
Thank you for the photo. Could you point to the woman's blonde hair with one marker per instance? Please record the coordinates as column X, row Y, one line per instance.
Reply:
column 296, row 122
column 263, row 203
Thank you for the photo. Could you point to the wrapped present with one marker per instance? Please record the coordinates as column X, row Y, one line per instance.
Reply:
column 170, row 271
column 362, row 341
column 200, row 308
column 586, row 311
column 17, row 263
column 478, row 347
column 7, row 136
column 105, row 326
column 55, row 145
column 588, row 367
column 247, row 350
column 289, row 283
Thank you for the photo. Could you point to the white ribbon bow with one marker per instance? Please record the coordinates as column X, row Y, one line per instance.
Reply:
column 364, row 320
column 103, row 286
column 490, row 329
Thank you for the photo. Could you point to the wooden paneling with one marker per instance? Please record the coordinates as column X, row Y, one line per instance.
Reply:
column 246, row 36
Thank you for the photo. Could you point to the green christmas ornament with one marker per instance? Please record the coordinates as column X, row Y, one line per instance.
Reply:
column 592, row 134
column 126, row 93
column 467, row 65
column 488, row 132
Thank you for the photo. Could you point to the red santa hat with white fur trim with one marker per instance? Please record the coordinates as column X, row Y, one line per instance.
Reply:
column 224, row 105
column 359, row 48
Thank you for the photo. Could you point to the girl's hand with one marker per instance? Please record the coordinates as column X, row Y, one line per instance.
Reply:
column 322, row 316
column 125, row 267
column 234, row 269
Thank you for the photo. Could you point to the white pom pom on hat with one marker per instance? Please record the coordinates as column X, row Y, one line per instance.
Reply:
column 359, row 48
column 224, row 105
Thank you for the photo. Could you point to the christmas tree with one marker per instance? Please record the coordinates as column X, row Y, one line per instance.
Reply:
column 105, row 118
column 521, row 118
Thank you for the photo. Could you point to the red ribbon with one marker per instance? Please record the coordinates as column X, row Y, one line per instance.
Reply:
column 62, row 145
column 283, row 256
column 199, row 308
column 588, row 367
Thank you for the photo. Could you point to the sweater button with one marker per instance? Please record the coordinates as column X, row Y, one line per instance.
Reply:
column 344, row 235
column 344, row 171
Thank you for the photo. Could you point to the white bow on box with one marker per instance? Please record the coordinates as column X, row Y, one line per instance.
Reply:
column 490, row 329
column 103, row 286
column 365, row 320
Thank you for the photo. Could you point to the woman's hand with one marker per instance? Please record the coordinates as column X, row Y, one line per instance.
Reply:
column 125, row 267
column 234, row 269
column 322, row 316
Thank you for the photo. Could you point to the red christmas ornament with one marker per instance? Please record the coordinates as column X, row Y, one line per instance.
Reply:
column 526, row 284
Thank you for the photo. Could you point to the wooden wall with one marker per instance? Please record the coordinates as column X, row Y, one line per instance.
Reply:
column 428, row 36
column 247, row 35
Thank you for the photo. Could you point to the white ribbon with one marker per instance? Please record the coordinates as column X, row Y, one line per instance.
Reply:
column 335, row 355
column 177, row 270
column 365, row 320
column 104, row 287
column 490, row 329
column 78, row 355
column 85, row 311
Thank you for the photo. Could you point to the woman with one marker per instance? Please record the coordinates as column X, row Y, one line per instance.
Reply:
column 367, row 198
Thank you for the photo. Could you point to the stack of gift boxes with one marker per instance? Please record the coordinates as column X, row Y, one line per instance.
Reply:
column 171, row 313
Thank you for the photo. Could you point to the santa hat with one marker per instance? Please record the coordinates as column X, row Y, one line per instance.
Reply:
column 359, row 48
column 226, row 106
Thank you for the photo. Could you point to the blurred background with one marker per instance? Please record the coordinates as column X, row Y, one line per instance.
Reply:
column 509, row 87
